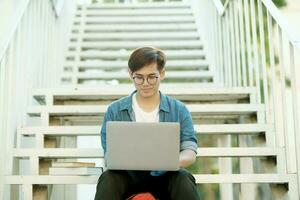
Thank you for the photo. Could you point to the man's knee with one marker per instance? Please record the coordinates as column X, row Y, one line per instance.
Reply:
column 111, row 185
column 182, row 177
column 182, row 185
column 111, row 178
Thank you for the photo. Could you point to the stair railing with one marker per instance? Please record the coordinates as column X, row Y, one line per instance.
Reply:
column 130, row 1
column 31, row 56
column 251, row 44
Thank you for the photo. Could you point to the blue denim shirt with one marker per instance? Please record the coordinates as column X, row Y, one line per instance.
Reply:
column 170, row 110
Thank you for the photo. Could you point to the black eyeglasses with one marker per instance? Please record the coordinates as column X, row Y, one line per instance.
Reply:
column 151, row 79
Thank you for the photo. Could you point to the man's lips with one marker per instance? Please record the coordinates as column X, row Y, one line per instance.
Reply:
column 147, row 89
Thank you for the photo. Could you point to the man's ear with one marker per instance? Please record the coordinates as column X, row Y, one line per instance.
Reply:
column 162, row 74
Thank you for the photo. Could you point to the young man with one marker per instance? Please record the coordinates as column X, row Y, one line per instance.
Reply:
column 148, row 104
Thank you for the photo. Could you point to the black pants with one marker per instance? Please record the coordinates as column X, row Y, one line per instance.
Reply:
column 119, row 185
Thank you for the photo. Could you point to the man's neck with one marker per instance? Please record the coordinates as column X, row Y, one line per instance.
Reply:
column 149, row 103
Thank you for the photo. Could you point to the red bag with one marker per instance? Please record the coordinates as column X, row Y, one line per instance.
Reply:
column 142, row 196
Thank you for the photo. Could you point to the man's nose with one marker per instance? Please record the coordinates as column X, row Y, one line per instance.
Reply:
column 145, row 82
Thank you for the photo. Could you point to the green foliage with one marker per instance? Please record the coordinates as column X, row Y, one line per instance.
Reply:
column 280, row 3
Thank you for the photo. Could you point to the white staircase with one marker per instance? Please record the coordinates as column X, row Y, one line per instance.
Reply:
column 241, row 143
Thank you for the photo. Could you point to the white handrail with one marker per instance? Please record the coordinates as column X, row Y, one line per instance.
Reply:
column 12, row 29
column 220, row 6
column 268, row 64
column 282, row 22
column 276, row 15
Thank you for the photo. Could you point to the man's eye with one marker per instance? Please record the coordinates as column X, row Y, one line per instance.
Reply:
column 152, row 77
column 139, row 77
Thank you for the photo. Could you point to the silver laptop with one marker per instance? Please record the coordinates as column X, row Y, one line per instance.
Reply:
column 143, row 146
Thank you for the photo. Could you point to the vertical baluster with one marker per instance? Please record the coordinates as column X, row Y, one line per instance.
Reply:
column 255, row 50
column 282, row 72
column 227, row 45
column 237, row 42
column 263, row 60
column 221, row 50
column 225, row 164
column 295, row 97
column 216, row 55
column 248, row 43
column 45, row 44
column 279, row 137
column 232, row 45
column 242, row 41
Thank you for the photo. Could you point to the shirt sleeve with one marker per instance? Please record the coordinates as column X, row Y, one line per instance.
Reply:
column 108, row 116
column 188, row 139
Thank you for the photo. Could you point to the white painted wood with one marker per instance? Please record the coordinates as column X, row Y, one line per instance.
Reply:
column 225, row 167
column 39, row 142
column 293, row 192
column 59, row 153
column 138, row 27
column 134, row 44
column 282, row 71
column 137, row 12
column 188, row 35
column 124, row 54
column 255, row 50
column 205, row 75
column 237, row 43
column 200, row 178
column 98, row 153
column 278, row 136
column 9, row 34
column 296, row 116
column 187, row 93
column 34, row 165
column 234, row 129
column 203, row 109
column 155, row 5
column 141, row 19
column 263, row 52
column 242, row 178
column 28, row 191
column 109, row 65
column 86, row 92
column 282, row 22
column 242, row 41
column 248, row 42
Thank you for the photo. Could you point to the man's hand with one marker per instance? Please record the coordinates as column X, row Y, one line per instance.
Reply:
column 186, row 158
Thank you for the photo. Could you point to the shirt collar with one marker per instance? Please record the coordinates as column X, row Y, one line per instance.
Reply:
column 126, row 104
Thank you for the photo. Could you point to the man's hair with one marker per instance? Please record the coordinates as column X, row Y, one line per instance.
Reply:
column 144, row 56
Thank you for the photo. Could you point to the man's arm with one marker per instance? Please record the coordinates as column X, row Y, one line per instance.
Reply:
column 107, row 117
column 188, row 144
column 186, row 158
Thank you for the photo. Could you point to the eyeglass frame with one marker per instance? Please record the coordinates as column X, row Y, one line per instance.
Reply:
column 156, row 76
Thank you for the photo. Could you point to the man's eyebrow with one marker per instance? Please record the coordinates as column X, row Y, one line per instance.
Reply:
column 145, row 74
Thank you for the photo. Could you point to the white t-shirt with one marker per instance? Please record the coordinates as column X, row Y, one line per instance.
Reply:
column 142, row 116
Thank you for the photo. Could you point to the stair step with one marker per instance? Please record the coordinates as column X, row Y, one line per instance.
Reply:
column 123, row 75
column 138, row 27
column 124, row 54
column 136, row 36
column 180, row 91
column 179, row 44
column 152, row 5
column 135, row 12
column 238, row 129
column 170, row 65
column 134, row 20
column 200, row 179
column 98, row 153
column 203, row 109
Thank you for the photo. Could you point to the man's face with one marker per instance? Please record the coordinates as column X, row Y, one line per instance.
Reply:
column 147, row 80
